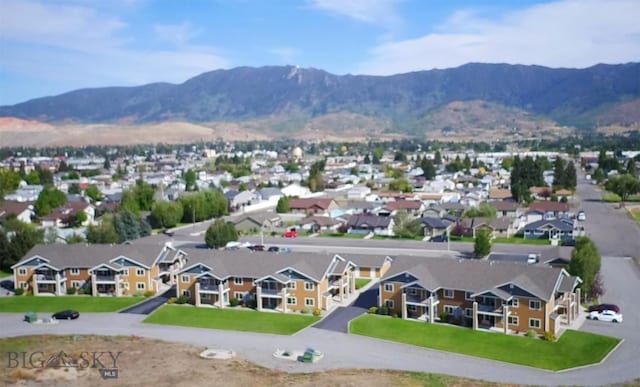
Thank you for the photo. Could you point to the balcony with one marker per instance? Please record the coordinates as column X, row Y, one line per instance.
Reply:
column 48, row 278
column 209, row 287
column 421, row 298
column 271, row 292
column 490, row 309
column 106, row 278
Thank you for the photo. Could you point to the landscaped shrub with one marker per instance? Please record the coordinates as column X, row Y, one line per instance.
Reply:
column 251, row 304
column 531, row 333
column 384, row 310
column 317, row 312
column 149, row 293
column 373, row 310
column 171, row 300
column 182, row 300
column 19, row 291
column 305, row 311
column 234, row 302
column 396, row 315
column 548, row 336
column 444, row 317
column 139, row 293
column 71, row 290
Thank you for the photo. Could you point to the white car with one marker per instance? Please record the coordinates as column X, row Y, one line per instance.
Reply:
column 582, row 216
column 606, row 315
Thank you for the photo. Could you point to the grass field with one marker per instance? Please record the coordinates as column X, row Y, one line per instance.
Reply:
column 635, row 213
column 5, row 273
column 362, row 282
column 245, row 320
column 20, row 304
column 573, row 349
column 521, row 241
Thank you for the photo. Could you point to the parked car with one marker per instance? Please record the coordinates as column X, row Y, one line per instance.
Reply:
column 256, row 247
column 290, row 234
column 582, row 216
column 277, row 249
column 603, row 307
column 7, row 284
column 606, row 315
column 169, row 233
column 439, row 238
column 66, row 315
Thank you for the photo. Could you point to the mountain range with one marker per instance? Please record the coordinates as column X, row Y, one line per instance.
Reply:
column 288, row 98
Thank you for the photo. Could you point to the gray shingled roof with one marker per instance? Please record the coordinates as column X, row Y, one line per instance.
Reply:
column 477, row 276
column 87, row 256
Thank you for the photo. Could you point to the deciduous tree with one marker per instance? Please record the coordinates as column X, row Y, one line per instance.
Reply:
column 482, row 244
column 585, row 263
column 220, row 233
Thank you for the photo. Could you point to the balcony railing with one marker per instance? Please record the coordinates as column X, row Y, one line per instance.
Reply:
column 420, row 298
column 208, row 286
column 490, row 308
column 105, row 278
column 47, row 277
column 271, row 292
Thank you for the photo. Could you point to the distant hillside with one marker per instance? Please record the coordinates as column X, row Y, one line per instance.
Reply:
column 289, row 99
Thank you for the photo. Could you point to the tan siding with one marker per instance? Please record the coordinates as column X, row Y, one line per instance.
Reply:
column 395, row 295
column 300, row 293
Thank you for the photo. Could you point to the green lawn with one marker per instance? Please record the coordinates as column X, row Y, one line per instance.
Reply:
column 20, row 304
column 362, row 282
column 610, row 197
column 5, row 273
column 522, row 241
column 635, row 213
column 244, row 320
column 573, row 349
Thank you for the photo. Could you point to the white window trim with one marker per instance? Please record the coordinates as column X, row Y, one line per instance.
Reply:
column 23, row 285
column 75, row 271
column 389, row 304
column 309, row 286
column 514, row 320
column 138, row 286
column 76, row 284
column 236, row 294
column 448, row 308
column 532, row 308
column 413, row 291
column 309, row 302
column 125, row 285
column 22, row 271
column 467, row 296
column 535, row 319
column 445, row 291
column 468, row 312
column 139, row 272
column 515, row 303
column 292, row 301
column 125, row 272
column 188, row 278
column 186, row 293
column 291, row 285
column 238, row 281
column 388, row 287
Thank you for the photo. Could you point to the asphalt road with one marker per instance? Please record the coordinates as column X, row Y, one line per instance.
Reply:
column 148, row 306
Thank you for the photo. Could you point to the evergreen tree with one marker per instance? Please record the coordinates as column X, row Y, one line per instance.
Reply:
column 631, row 168
column 428, row 169
column 570, row 175
column 466, row 163
column 482, row 244
column 107, row 163
column 559, row 175
column 585, row 263
column 367, row 159
column 129, row 226
column 437, row 158
column 283, row 205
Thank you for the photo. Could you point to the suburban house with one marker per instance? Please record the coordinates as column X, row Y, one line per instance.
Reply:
column 279, row 282
column 66, row 215
column 550, row 209
column 270, row 193
column 412, row 207
column 498, row 227
column 238, row 200
column 98, row 269
column 312, row 206
column 368, row 223
column 22, row 210
column 262, row 221
column 500, row 194
column 507, row 297
column 506, row 209
column 433, row 227
column 370, row 266
column 550, row 229
column 316, row 223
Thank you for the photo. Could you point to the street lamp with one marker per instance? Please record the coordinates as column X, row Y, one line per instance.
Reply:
column 448, row 239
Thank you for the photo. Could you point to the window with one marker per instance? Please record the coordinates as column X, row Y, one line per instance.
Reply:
column 448, row 293
column 186, row 278
column 513, row 320
column 309, row 286
column 534, row 305
column 75, row 284
column 388, row 304
column 140, row 285
column 205, row 296
column 411, row 308
column 238, row 296
column 23, row 285
column 388, row 288
column 448, row 309
column 515, row 303
column 292, row 301
column 291, row 285
column 125, row 272
column 413, row 291
column 186, row 293
column 468, row 312
column 309, row 301
column 125, row 285
column 467, row 296
column 75, row 271
column 238, row 281
column 534, row 323
column 139, row 272
column 22, row 271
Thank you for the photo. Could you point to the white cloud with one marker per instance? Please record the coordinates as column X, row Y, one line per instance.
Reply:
column 285, row 55
column 177, row 34
column 78, row 46
column 571, row 33
column 367, row 11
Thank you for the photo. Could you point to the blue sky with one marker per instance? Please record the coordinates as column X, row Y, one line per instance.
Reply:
column 49, row 47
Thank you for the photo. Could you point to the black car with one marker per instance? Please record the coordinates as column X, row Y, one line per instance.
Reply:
column 439, row 238
column 66, row 315
column 256, row 247
column 603, row 307
column 273, row 249
column 7, row 284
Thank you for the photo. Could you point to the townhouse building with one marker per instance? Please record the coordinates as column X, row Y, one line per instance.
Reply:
column 508, row 297
column 278, row 282
column 117, row 270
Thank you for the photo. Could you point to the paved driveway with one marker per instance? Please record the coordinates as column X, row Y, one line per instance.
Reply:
column 148, row 306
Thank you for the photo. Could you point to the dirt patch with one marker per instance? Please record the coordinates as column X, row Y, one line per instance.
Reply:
column 145, row 362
